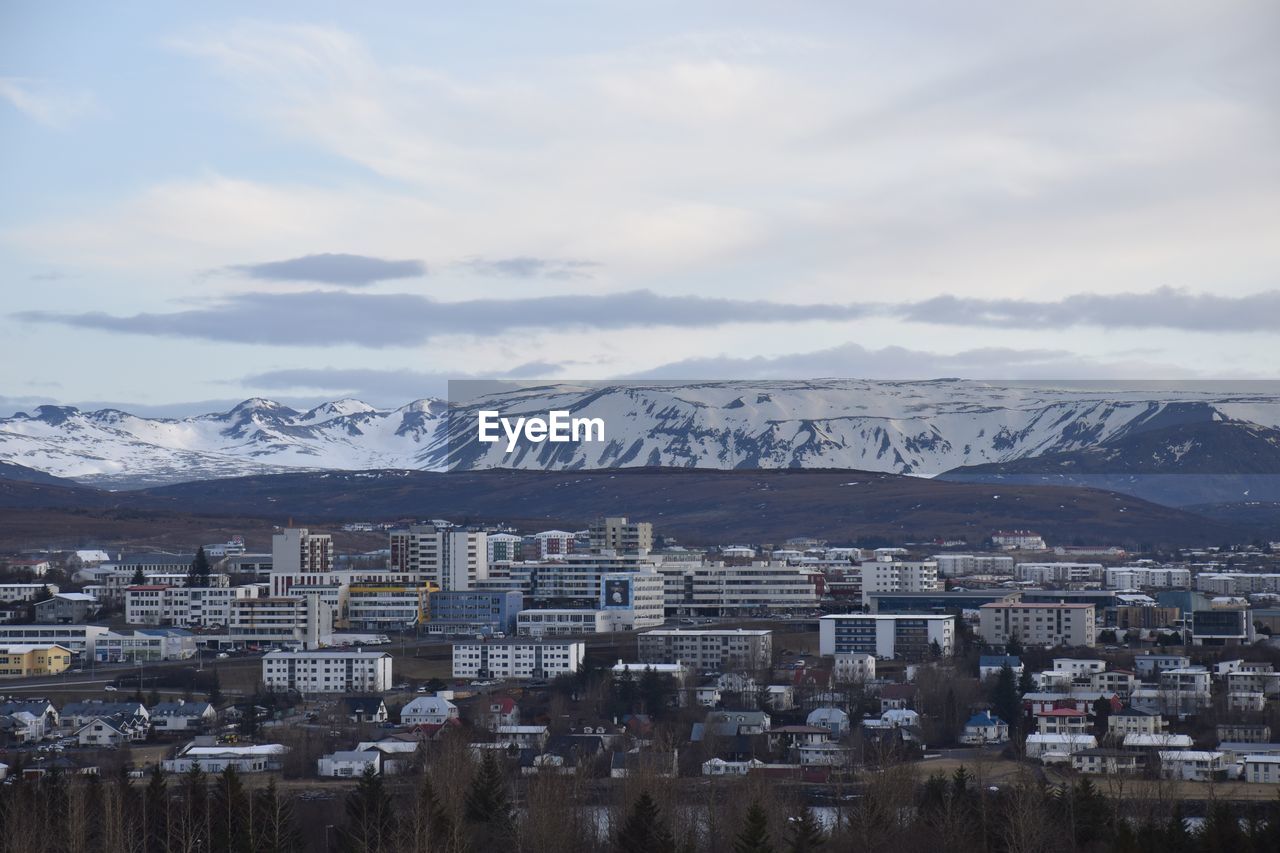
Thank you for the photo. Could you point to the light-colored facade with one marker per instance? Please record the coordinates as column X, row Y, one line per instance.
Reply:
column 853, row 668
column 960, row 565
column 718, row 589
column 205, row 607
column 335, row 671
column 146, row 644
column 887, row 635
column 730, row 649
column 25, row 591
column 451, row 559
column 517, row 658
column 280, row 621
column 615, row 533
column 1038, row 624
column 394, row 607
column 903, row 576
column 20, row 661
column 1191, row 764
column 1148, row 577
column 77, row 638
column 1058, row 573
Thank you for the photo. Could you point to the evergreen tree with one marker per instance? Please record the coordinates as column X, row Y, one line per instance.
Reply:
column 754, row 835
column 139, row 577
column 644, row 831
column 1025, row 684
column 275, row 829
column 1005, row 699
column 198, row 574
column 1014, row 646
column 215, row 689
column 431, row 828
column 155, row 807
column 153, row 698
column 804, row 833
column 1177, row 839
column 249, row 722
column 194, row 825
column 487, row 807
column 1220, row 832
column 1101, row 714
column 371, row 820
column 229, row 814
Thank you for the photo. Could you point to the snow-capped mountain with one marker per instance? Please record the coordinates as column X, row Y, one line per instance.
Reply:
column 919, row 428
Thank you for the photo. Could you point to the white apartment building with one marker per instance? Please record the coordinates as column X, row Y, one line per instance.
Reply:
column 1261, row 768
column 1148, row 577
column 451, row 559
column 616, row 534
column 959, row 565
column 335, row 671
column 853, row 668
column 77, row 638
column 1237, row 583
column 276, row 621
column 296, row 550
column 1191, row 764
column 886, row 635
column 517, row 658
column 904, row 576
column 205, row 607
column 1038, row 624
column 728, row 649
column 503, row 547
column 1058, row 573
column 1019, row 540
column 719, row 590
column 25, row 591
column 553, row 544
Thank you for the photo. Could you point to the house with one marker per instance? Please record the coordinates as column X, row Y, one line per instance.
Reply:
column 650, row 763
column 734, row 723
column 430, row 710
column 897, row 696
column 1131, row 721
column 1057, row 747
column 523, row 736
column 1192, row 765
column 22, row 727
column 1062, row 721
column 182, row 716
column 1141, row 742
column 1108, row 762
column 399, row 752
column 1115, row 682
column 345, row 765
column 363, row 709
column 66, row 608
column 708, row 695
column 989, row 666
column 824, row 754
column 853, row 667
column 498, row 711
column 786, row 737
column 75, row 715
column 1261, row 768
column 1149, row 666
column 833, row 720
column 1246, row 702
column 1243, row 732
column 211, row 757
column 720, row 767
column 41, row 708
column 985, row 728
column 780, row 697
column 104, row 732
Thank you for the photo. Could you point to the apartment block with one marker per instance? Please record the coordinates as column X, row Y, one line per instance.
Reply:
column 451, row 559
column 1148, row 577
column 616, row 534
column 1039, row 624
column 328, row 671
column 727, row 589
column 904, row 576
column 274, row 621
column 960, row 565
column 729, row 649
column 1058, row 573
column 517, row 658
column 886, row 635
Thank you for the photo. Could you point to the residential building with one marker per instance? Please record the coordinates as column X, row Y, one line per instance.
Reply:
column 960, row 565
column 203, row 607
column 899, row 576
column 1150, row 665
column 102, row 733
column 504, row 547
column 363, row 709
column 989, row 666
column 25, row 591
column 712, row 650
column 1238, row 732
column 349, row 764
column 1148, row 577
column 1038, row 624
column 616, row 534
column 298, row 551
column 1129, row 720
column 1261, row 768
column 66, row 608
column 908, row 636
column 452, row 559
column 1058, row 747
column 853, row 668
column 1062, row 721
column 428, row 710
column 333, row 671
column 550, row 544
column 21, row 661
column 182, row 716
column 473, row 611
column 1108, row 762
column 304, row 620
column 516, row 658
column 213, row 758
column 1018, row 540
column 1058, row 573
column 724, row 589
column 1192, row 765
column 985, row 728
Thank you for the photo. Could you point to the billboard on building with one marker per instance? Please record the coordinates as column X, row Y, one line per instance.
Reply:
column 615, row 593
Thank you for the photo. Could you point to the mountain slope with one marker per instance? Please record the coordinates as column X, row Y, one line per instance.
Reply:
column 917, row 428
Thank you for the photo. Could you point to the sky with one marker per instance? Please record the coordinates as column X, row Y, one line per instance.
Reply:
column 307, row 201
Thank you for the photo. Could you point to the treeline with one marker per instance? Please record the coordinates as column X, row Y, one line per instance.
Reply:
column 456, row 804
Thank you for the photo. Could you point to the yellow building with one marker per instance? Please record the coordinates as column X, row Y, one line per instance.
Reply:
column 19, row 661
column 387, row 606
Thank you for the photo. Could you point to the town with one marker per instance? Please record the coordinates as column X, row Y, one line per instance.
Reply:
column 483, row 674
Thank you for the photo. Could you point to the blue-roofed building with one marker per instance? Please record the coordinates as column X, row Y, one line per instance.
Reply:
column 989, row 666
column 985, row 727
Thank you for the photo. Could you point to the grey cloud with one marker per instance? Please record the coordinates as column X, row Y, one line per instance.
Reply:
column 329, row 268
column 318, row 318
column 527, row 267
column 1164, row 308
column 380, row 387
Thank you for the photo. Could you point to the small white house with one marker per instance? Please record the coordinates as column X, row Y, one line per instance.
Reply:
column 523, row 736
column 182, row 716
column 101, row 733
column 428, row 710
column 1262, row 768
column 1247, row 702
column 345, row 765
column 1195, row 765
column 1046, row 747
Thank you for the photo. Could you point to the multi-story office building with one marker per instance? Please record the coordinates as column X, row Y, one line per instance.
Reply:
column 615, row 533
column 885, row 576
column 1038, row 623
column 1226, row 624
column 298, row 551
column 517, row 658
column 1058, row 573
column 575, row 579
column 386, row 606
column 145, row 644
column 717, row 650
column 302, row 621
column 563, row 622
column 727, row 589
column 899, row 635
column 958, row 565
column 25, row 591
column 78, row 638
column 549, row 544
column 448, row 557
column 473, row 611
column 328, row 671
column 205, row 607
column 940, row 602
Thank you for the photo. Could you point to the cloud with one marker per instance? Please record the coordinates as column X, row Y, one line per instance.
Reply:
column 329, row 268
column 1164, row 308
column 526, row 267
column 894, row 362
column 385, row 387
column 317, row 318
column 45, row 103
